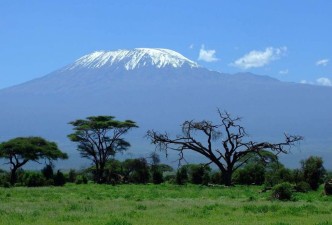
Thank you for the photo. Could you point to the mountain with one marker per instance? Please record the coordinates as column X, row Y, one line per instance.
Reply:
column 159, row 89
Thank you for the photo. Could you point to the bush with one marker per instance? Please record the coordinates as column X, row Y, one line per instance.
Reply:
column 328, row 187
column 250, row 174
column 6, row 184
column 47, row 171
column 81, row 179
column 216, row 178
column 181, row 176
column 33, row 179
column 197, row 173
column 313, row 171
column 136, row 170
column 59, row 179
column 4, row 178
column 302, row 187
column 283, row 191
column 72, row 176
column 277, row 176
column 157, row 177
column 169, row 178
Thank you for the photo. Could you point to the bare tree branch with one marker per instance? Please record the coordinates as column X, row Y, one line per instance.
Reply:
column 229, row 133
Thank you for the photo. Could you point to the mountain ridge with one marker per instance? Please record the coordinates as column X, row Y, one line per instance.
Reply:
column 161, row 98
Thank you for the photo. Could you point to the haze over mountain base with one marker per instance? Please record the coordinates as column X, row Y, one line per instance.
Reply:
column 162, row 94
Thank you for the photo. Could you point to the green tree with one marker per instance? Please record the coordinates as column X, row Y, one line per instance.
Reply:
column 136, row 170
column 277, row 173
column 313, row 171
column 99, row 138
column 233, row 149
column 19, row 151
column 255, row 168
column 198, row 173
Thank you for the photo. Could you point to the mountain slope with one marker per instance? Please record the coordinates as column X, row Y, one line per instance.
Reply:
column 159, row 89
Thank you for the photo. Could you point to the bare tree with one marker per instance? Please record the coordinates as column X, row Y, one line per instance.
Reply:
column 232, row 151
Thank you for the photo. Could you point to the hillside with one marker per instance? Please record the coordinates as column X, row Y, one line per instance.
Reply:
column 159, row 89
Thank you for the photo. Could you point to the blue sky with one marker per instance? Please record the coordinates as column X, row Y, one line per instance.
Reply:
column 288, row 40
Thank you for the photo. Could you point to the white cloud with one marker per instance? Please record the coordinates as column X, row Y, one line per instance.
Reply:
column 207, row 55
column 322, row 62
column 307, row 82
column 259, row 58
column 324, row 81
column 191, row 46
column 283, row 72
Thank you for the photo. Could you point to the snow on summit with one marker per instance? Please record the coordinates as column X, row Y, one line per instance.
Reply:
column 133, row 59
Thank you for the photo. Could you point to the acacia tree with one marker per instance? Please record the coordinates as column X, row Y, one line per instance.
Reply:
column 99, row 138
column 19, row 151
column 232, row 151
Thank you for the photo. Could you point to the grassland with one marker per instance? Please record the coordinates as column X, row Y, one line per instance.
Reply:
column 158, row 204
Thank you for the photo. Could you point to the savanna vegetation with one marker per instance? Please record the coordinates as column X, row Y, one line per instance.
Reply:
column 242, row 183
column 101, row 204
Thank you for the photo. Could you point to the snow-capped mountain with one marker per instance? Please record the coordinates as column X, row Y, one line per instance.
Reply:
column 159, row 89
column 101, row 69
column 133, row 59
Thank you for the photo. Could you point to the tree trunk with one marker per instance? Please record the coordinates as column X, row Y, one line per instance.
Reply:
column 13, row 175
column 227, row 177
column 100, row 179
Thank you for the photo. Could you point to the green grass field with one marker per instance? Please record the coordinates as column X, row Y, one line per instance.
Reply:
column 158, row 204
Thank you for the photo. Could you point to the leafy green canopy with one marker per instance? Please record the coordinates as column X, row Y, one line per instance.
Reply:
column 20, row 150
column 100, row 133
column 99, row 138
column 30, row 148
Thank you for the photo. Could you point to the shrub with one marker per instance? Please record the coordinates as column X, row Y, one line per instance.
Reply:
column 72, row 176
column 250, row 174
column 181, row 175
column 197, row 173
column 328, row 187
column 302, row 187
column 283, row 191
column 47, row 171
column 6, row 184
column 4, row 178
column 206, row 179
column 59, row 179
column 157, row 177
column 136, row 170
column 81, row 179
column 216, row 178
column 277, row 176
column 33, row 179
column 313, row 171
column 169, row 177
